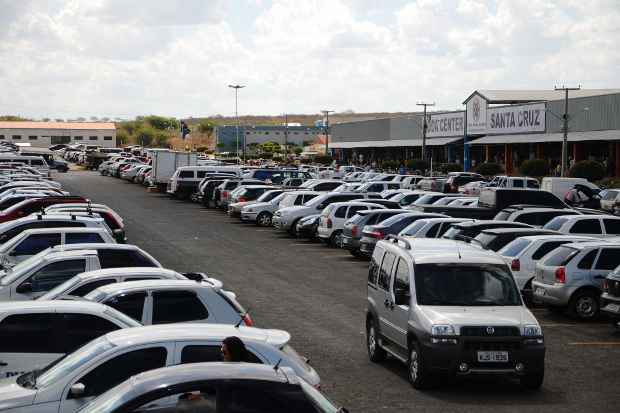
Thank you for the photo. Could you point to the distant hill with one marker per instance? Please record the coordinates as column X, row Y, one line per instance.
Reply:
column 298, row 118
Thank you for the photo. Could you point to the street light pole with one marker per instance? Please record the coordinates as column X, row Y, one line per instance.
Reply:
column 326, row 128
column 565, row 118
column 286, row 137
column 237, row 87
column 424, row 127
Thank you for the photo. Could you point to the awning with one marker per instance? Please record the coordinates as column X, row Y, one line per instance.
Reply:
column 599, row 135
column 393, row 143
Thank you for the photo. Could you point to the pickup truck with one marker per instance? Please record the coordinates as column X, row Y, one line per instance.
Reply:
column 493, row 200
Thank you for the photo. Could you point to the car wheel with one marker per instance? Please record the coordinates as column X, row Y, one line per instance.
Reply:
column 584, row 305
column 375, row 353
column 336, row 239
column 532, row 381
column 419, row 377
column 264, row 219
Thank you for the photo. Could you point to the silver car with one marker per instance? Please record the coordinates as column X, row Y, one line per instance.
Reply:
column 572, row 275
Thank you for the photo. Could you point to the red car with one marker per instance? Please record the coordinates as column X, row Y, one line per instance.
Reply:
column 28, row 206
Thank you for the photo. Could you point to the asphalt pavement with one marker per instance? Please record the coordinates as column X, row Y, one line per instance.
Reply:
column 318, row 294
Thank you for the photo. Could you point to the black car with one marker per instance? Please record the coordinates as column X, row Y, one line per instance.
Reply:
column 307, row 226
column 583, row 196
column 391, row 226
column 465, row 231
column 352, row 231
column 60, row 166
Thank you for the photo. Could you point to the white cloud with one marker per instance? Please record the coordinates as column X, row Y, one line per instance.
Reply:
column 112, row 57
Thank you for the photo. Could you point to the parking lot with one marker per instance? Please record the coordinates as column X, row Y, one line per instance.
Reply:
column 319, row 295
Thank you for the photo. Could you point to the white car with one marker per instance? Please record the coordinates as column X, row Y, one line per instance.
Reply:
column 472, row 188
column 334, row 216
column 115, row 357
column 523, row 253
column 130, row 173
column 35, row 333
column 51, row 267
column 430, row 227
column 378, row 186
column 262, row 212
column 33, row 241
column 598, row 226
column 85, row 282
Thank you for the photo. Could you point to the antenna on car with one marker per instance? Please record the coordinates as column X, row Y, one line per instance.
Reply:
column 242, row 317
column 277, row 366
column 89, row 208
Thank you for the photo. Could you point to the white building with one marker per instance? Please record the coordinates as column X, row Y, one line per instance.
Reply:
column 46, row 134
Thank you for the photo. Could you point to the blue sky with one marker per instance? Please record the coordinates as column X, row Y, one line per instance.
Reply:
column 122, row 58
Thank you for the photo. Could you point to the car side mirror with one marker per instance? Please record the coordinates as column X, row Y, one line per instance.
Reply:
column 77, row 390
column 24, row 288
column 401, row 296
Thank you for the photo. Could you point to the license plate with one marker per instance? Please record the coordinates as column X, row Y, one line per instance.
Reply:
column 492, row 356
column 540, row 291
column 612, row 307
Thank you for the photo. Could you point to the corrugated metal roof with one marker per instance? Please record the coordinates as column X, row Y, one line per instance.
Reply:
column 521, row 96
column 393, row 143
column 57, row 125
column 600, row 135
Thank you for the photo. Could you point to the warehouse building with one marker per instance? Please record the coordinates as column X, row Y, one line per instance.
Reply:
column 502, row 126
column 226, row 136
column 46, row 134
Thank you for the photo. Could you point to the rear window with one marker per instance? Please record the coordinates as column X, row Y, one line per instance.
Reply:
column 186, row 174
column 561, row 257
column 514, row 248
column 414, row 228
column 327, row 210
column 503, row 215
column 392, row 220
column 556, row 223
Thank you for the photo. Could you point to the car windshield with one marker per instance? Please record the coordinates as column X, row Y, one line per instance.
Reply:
column 84, row 355
column 458, row 284
column 277, row 199
column 560, row 256
column 266, row 196
column 414, row 228
column 288, row 200
column 23, row 267
column 555, row 224
column 452, row 233
column 514, row 248
column 424, row 200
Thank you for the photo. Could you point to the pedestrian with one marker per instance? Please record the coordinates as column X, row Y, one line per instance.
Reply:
column 233, row 349
column 401, row 170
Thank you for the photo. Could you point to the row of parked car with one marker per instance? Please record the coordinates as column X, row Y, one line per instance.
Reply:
column 436, row 257
column 91, row 323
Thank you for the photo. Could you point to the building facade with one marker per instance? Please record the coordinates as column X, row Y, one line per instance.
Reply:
column 226, row 136
column 46, row 134
column 506, row 127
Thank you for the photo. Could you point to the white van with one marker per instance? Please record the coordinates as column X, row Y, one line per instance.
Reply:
column 560, row 186
column 186, row 179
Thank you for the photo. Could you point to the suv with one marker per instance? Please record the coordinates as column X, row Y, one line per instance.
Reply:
column 446, row 308
column 572, row 276
column 496, row 238
column 334, row 216
column 13, row 228
column 466, row 231
column 352, row 230
column 28, row 206
column 247, row 194
column 538, row 217
column 286, row 218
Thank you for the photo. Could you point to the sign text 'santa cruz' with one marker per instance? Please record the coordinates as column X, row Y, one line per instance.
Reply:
column 516, row 119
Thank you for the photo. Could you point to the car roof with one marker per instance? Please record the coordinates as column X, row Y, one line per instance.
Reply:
column 554, row 237
column 94, row 246
column 50, row 305
column 438, row 250
column 153, row 285
column 185, row 331
column 67, row 216
column 498, row 231
column 589, row 216
column 123, row 271
column 55, row 230
column 377, row 211
column 475, row 223
column 258, row 186
column 590, row 244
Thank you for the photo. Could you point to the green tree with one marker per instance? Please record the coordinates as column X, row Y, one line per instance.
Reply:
column 206, row 126
column 122, row 137
column 13, row 118
column 145, row 135
column 161, row 139
column 161, row 122
column 298, row 150
column 534, row 167
column 489, row 169
column 591, row 170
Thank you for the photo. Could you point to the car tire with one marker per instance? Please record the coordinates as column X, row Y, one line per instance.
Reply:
column 584, row 305
column 264, row 219
column 375, row 353
column 335, row 241
column 418, row 375
column 532, row 381
column 293, row 229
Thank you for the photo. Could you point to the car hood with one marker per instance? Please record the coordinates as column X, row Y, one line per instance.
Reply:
column 458, row 317
column 13, row 395
column 293, row 209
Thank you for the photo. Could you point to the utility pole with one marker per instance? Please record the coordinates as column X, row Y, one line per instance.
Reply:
column 565, row 118
column 237, row 87
column 326, row 128
column 286, row 137
column 424, row 127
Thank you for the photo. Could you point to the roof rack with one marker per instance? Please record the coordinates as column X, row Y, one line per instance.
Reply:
column 395, row 238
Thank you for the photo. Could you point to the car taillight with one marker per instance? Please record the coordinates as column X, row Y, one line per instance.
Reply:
column 605, row 286
column 241, row 199
column 329, row 222
column 224, row 194
column 515, row 265
column 354, row 230
column 560, row 275
column 247, row 320
column 376, row 234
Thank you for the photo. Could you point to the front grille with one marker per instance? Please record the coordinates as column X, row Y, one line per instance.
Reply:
column 481, row 331
column 479, row 345
column 613, row 288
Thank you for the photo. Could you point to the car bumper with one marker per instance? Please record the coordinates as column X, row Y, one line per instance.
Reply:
column 323, row 232
column 306, row 231
column 248, row 216
column 367, row 246
column 446, row 358
column 281, row 223
column 350, row 243
column 234, row 212
column 551, row 294
column 610, row 304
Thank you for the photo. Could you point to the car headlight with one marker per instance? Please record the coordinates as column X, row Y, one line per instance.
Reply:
column 442, row 330
column 532, row 330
